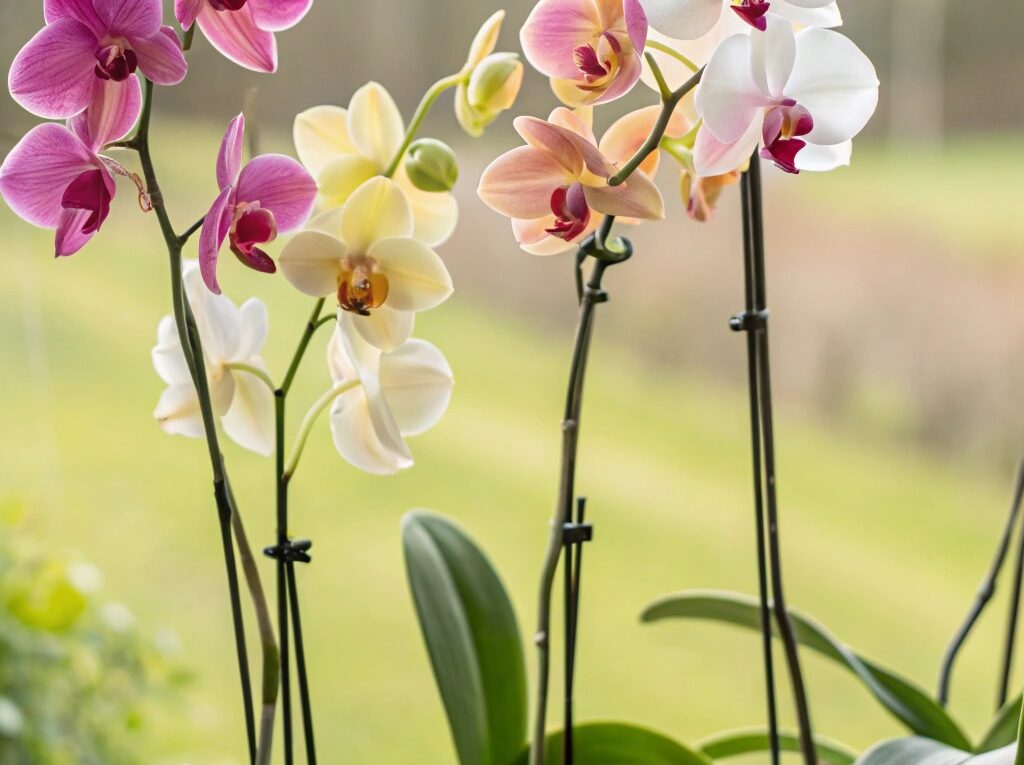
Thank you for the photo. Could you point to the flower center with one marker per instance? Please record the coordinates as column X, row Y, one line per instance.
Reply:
column 361, row 285
column 89, row 191
column 783, row 127
column 227, row 5
column 253, row 225
column 753, row 12
column 598, row 62
column 115, row 62
column 571, row 212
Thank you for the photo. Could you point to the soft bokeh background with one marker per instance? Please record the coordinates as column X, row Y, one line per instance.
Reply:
column 896, row 290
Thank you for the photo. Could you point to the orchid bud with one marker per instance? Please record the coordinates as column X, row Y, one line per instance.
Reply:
column 432, row 165
column 492, row 88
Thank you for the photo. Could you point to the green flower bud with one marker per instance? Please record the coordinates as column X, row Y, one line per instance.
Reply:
column 432, row 165
column 492, row 88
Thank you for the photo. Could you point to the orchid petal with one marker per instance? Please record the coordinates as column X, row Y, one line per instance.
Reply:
column 417, row 277
column 249, row 421
column 385, row 328
column 52, row 76
column 486, row 39
column 321, row 136
column 215, row 230
column 683, row 19
column 417, row 383
column 579, row 121
column 772, row 56
column 823, row 14
column 160, row 57
column 553, row 31
column 533, row 237
column 627, row 134
column 636, row 23
column 712, row 157
column 434, row 214
column 570, row 148
column 358, row 439
column 255, row 327
column 377, row 210
column 222, row 389
column 217, row 319
column 72, row 232
column 186, row 11
column 637, row 197
column 237, row 37
column 130, row 18
column 628, row 76
column 728, row 99
column 817, row 158
column 114, row 110
column 698, row 51
column 178, row 411
column 311, row 262
column 229, row 158
column 279, row 15
column 281, row 185
column 375, row 124
column 79, row 10
column 168, row 356
column 342, row 176
column 519, row 183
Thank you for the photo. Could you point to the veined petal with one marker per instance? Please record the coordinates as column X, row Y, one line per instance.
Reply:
column 281, row 185
column 568, row 147
column 712, row 157
column 773, row 53
column 375, row 124
column 377, row 210
column 73, row 232
column 130, row 18
column 486, row 39
column 321, row 136
column 168, row 356
column 342, row 176
column 417, row 277
column 434, row 214
column 553, row 31
column 817, row 158
column 579, row 121
column 217, row 319
column 627, row 134
column 249, row 421
column 229, row 158
column 36, row 173
column 519, row 183
column 311, row 262
column 385, row 328
column 836, row 82
column 417, row 383
column 178, row 412
column 186, row 11
column 728, row 99
column 111, row 115
column 628, row 76
column 79, row 10
column 278, row 15
column 636, row 24
column 254, row 324
column 215, row 230
column 237, row 37
column 683, row 19
column 52, row 76
column 637, row 197
column 160, row 57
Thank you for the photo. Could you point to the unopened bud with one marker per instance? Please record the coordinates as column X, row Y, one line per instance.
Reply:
column 432, row 165
column 492, row 88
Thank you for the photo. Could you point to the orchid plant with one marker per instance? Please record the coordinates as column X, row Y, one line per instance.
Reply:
column 368, row 201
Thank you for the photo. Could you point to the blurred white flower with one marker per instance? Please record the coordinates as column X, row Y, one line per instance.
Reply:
column 12, row 721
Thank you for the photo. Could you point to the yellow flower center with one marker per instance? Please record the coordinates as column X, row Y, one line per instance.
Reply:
column 361, row 285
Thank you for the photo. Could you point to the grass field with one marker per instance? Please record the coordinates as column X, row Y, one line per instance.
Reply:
column 883, row 545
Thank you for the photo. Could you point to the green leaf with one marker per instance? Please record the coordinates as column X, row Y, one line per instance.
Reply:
column 471, row 633
column 618, row 744
column 906, row 701
column 919, row 750
column 737, row 742
column 1003, row 730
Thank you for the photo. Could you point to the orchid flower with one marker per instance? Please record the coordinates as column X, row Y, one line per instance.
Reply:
column 243, row 30
column 692, row 19
column 55, row 178
column 556, row 187
column 386, row 397
column 344, row 148
column 270, row 195
column 365, row 254
column 591, row 49
column 803, row 96
column 232, row 337
column 491, row 82
column 86, row 43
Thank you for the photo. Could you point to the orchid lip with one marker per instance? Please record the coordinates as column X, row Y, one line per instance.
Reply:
column 572, row 214
column 753, row 12
column 253, row 225
column 227, row 5
column 116, row 62
column 361, row 286
column 89, row 192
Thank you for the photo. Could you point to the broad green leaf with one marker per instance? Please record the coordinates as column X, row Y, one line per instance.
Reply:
column 737, row 742
column 471, row 633
column 1004, row 728
column 618, row 744
column 925, row 751
column 907, row 702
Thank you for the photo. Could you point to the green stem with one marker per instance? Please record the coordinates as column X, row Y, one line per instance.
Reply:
column 255, row 372
column 310, row 419
column 429, row 98
column 1019, row 758
column 312, row 325
column 673, row 53
column 659, row 76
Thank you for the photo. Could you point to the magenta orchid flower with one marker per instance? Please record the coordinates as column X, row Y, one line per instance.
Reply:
column 243, row 30
column 591, row 49
column 270, row 195
column 55, row 178
column 86, row 43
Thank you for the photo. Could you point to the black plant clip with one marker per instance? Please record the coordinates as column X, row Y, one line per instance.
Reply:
column 749, row 321
column 290, row 551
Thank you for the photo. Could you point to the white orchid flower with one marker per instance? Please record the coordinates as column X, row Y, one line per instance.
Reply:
column 803, row 96
column 692, row 19
column 365, row 254
column 381, row 398
column 232, row 339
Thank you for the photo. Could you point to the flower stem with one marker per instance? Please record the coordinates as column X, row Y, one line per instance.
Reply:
column 658, row 46
column 1019, row 757
column 314, row 323
column 310, row 419
column 255, row 372
column 429, row 98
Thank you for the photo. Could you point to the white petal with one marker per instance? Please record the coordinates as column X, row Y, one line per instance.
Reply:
column 836, row 82
column 168, row 355
column 417, row 384
column 250, row 419
column 385, row 328
column 713, row 157
column 684, row 19
column 222, row 389
column 823, row 158
column 359, row 438
column 255, row 327
column 311, row 262
column 728, row 99
column 377, row 210
column 818, row 15
column 772, row 55
column 178, row 411
column 217, row 318
column 375, row 124
column 417, row 277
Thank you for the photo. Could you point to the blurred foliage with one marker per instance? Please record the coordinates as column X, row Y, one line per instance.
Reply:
column 78, row 677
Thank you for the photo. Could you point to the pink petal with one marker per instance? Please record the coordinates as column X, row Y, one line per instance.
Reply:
column 519, row 183
column 160, row 57
column 632, row 68
column 38, row 170
column 728, row 99
column 52, row 76
column 92, row 191
column 185, row 11
column 553, row 31
column 281, row 185
column 229, row 159
column 638, row 197
column 278, row 15
column 113, row 112
column 568, row 147
column 712, row 157
column 235, row 34
column 71, row 234
column 79, row 10
column 215, row 231
column 636, row 24
column 130, row 18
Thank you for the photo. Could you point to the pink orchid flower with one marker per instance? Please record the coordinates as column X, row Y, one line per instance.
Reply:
column 89, row 42
column 243, row 30
column 55, row 178
column 556, row 189
column 591, row 49
column 270, row 195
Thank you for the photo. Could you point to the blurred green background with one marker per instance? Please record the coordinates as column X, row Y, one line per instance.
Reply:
column 895, row 287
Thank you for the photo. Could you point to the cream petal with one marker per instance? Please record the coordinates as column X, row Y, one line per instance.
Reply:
column 168, row 355
column 321, row 136
column 434, row 214
column 249, row 420
column 311, row 262
column 178, row 413
column 365, row 441
column 375, row 124
column 637, row 197
column 376, row 210
column 417, row 383
column 486, row 39
column 255, row 327
column 340, row 177
column 417, row 277
column 385, row 328
column 519, row 183
column 222, row 389
column 217, row 318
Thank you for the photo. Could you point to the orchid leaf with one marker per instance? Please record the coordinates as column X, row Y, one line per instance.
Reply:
column 902, row 698
column 734, row 743
column 471, row 633
column 618, row 744
column 925, row 751
column 1003, row 730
